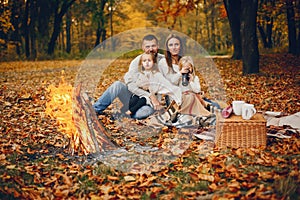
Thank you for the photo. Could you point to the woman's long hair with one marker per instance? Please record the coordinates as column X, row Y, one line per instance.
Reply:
column 168, row 55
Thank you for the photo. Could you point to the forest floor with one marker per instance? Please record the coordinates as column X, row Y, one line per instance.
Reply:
column 35, row 163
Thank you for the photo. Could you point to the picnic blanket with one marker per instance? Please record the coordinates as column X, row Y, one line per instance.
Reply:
column 281, row 125
column 278, row 119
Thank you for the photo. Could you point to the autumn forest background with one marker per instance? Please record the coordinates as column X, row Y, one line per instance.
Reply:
column 36, row 29
column 255, row 46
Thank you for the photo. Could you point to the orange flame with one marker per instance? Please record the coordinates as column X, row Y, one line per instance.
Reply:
column 59, row 107
column 77, row 119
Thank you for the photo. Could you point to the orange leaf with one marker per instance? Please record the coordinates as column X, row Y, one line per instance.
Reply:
column 112, row 178
column 251, row 192
column 67, row 180
column 206, row 177
column 234, row 186
column 194, row 176
column 213, row 187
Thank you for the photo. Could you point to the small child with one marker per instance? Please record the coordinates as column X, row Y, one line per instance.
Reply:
column 193, row 84
column 192, row 103
column 146, row 66
column 151, row 80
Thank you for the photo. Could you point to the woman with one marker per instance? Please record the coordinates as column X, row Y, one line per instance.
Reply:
column 192, row 102
column 169, row 66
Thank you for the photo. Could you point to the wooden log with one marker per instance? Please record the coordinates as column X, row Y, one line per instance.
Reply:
column 93, row 137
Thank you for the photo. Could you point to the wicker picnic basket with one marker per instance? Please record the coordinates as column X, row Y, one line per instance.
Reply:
column 236, row 132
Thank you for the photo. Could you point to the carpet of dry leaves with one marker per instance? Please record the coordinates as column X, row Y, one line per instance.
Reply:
column 34, row 163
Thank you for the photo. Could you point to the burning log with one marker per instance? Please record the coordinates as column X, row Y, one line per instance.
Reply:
column 93, row 137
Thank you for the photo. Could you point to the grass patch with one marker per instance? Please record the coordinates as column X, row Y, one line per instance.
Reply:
column 287, row 188
column 193, row 159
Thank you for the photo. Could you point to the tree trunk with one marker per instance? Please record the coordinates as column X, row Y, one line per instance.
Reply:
column 57, row 23
column 291, row 27
column 55, row 33
column 233, row 9
column 249, row 37
column 44, row 14
column 196, row 24
column 269, row 33
column 266, row 36
column 32, row 25
column 265, row 22
column 98, row 34
column 16, row 21
column 62, row 41
column 207, row 22
column 104, row 38
column 26, row 29
column 80, row 35
column 213, row 34
column 101, row 24
column 68, row 32
column 263, row 35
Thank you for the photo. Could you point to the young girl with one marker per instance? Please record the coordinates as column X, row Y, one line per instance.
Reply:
column 151, row 80
column 192, row 103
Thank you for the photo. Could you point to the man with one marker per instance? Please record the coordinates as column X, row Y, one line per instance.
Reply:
column 120, row 89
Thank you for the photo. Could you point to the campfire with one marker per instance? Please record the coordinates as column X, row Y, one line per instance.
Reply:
column 71, row 108
column 76, row 119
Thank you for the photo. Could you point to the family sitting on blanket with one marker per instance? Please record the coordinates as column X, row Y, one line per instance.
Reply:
column 152, row 75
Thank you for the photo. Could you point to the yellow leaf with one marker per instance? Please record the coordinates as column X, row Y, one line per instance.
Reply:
column 2, row 157
column 129, row 178
column 95, row 197
column 206, row 177
column 11, row 166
